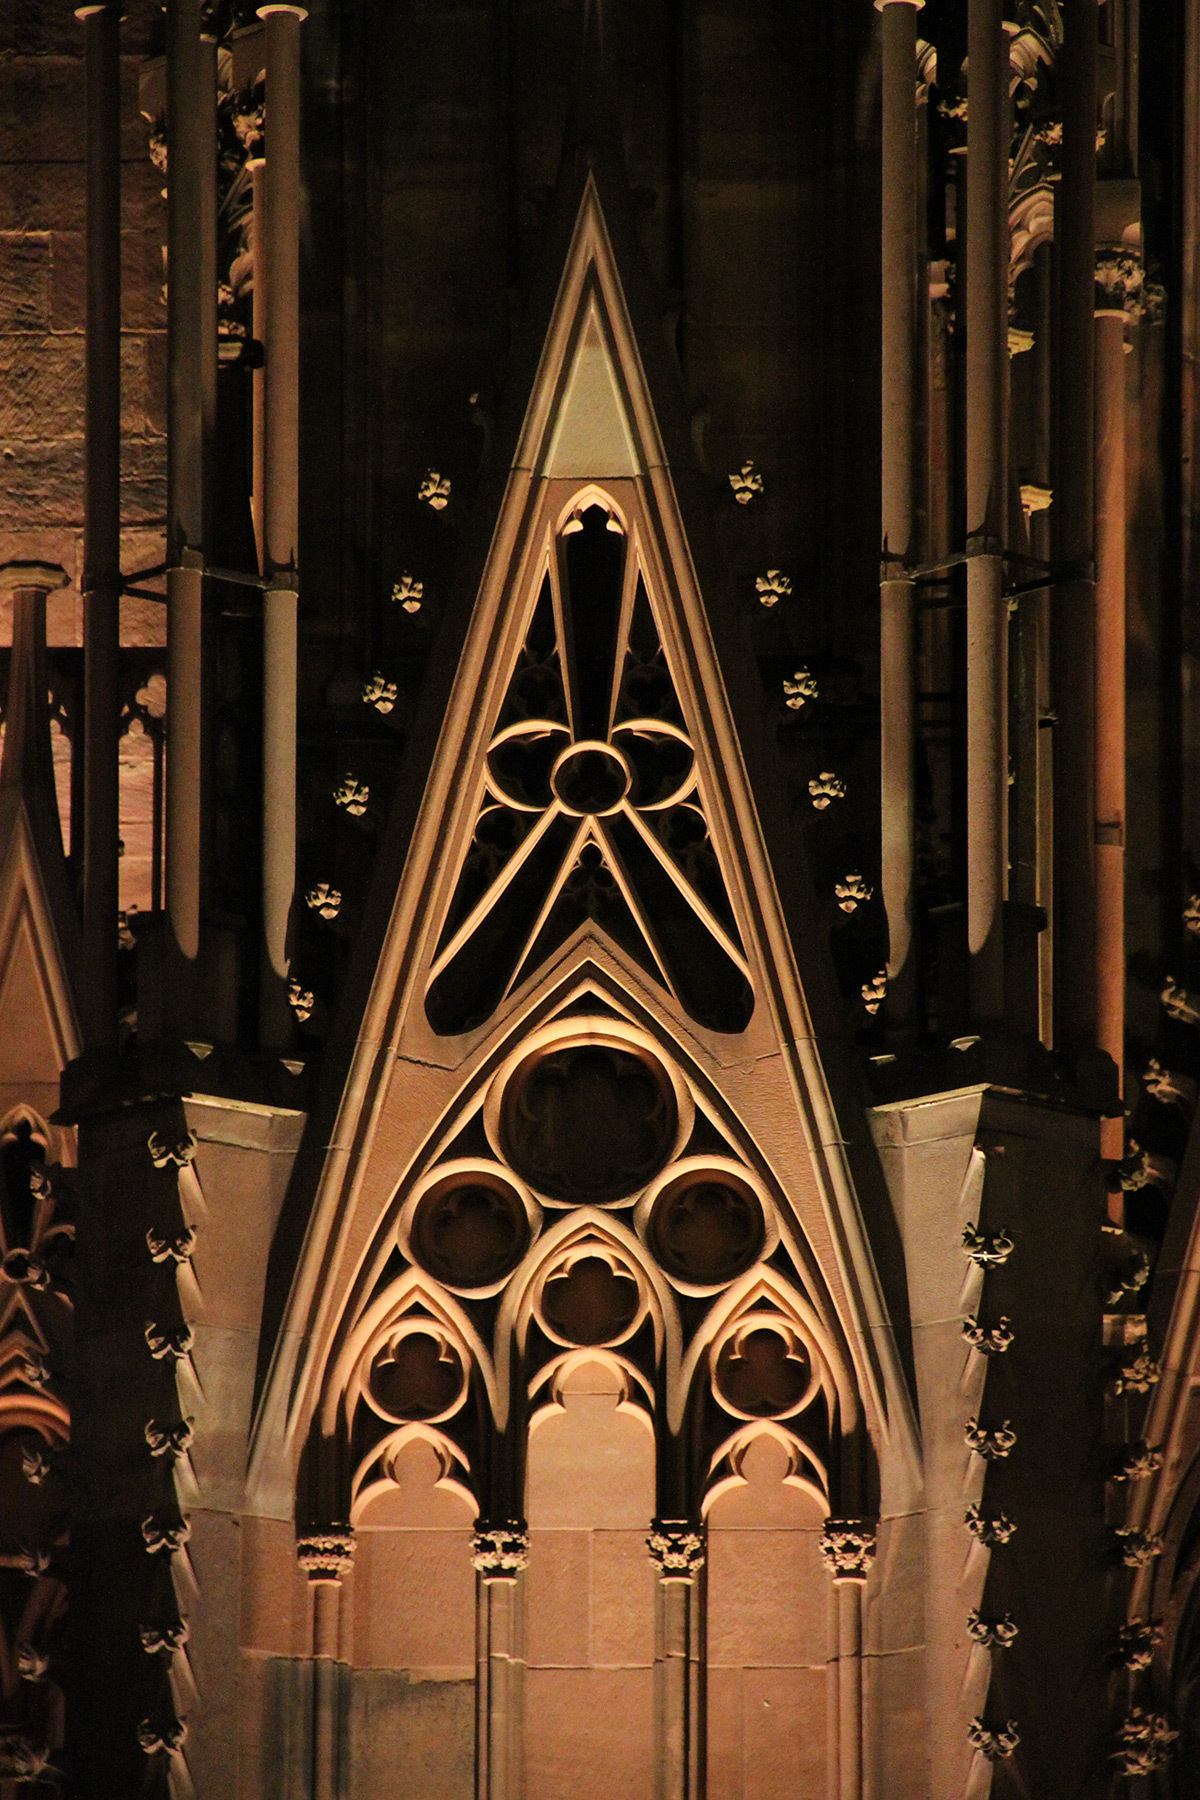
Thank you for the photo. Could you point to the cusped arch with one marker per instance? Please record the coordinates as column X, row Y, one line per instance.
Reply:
column 375, row 1477
column 24, row 1114
column 590, row 493
column 764, row 1289
column 764, row 1363
column 804, row 1472
column 397, row 1303
column 547, row 1388
column 587, row 1231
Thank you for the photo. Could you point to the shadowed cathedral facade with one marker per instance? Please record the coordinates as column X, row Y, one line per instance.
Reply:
column 598, row 958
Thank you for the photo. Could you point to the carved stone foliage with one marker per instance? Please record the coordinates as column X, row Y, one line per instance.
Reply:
column 592, row 808
column 326, row 1555
column 35, row 1339
column 1146, row 1741
column 989, row 1528
column 500, row 1551
column 677, row 1549
column 848, row 1547
column 994, row 1742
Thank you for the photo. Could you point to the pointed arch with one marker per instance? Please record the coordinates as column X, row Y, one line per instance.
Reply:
column 375, row 1477
column 585, row 1231
column 345, row 1381
column 405, row 1081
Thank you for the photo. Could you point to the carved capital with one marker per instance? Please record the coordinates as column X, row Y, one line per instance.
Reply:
column 1121, row 285
column 23, row 577
column 326, row 1555
column 677, row 1549
column 848, row 1546
column 500, row 1552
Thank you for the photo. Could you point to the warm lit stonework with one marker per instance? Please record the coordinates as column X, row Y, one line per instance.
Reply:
column 599, row 900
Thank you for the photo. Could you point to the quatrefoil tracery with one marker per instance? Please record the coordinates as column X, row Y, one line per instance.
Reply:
column 592, row 807
column 577, row 1205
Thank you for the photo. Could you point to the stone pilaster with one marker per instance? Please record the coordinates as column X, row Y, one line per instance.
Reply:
column 677, row 1549
column 501, row 1556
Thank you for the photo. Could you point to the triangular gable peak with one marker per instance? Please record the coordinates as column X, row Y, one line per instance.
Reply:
column 587, row 828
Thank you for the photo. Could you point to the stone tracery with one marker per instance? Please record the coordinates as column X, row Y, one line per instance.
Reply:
column 593, row 808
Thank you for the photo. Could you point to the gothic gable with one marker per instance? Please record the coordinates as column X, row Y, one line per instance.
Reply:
column 586, row 862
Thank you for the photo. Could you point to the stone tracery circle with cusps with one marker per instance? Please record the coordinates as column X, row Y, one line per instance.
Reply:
column 416, row 1373
column 588, row 1112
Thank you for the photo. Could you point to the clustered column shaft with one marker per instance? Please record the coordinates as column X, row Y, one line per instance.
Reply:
column 188, row 141
column 500, row 1556
column 987, row 289
column 257, row 167
column 281, row 264
column 102, row 519
column 677, row 1549
column 898, row 470
column 1110, row 703
column 1073, row 612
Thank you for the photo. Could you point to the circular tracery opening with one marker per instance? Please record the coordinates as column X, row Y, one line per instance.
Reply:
column 591, row 779
column 589, row 1122
column 764, row 1371
column 706, row 1229
column 418, row 1376
column 591, row 1302
column 470, row 1231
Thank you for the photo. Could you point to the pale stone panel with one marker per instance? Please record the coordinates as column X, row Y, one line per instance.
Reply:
column 589, row 1732
column 768, row 1635
column 590, row 1597
column 615, row 1449
column 784, row 1735
column 410, row 1738
column 623, row 1584
column 215, row 1553
column 558, row 1589
column 726, row 1747
column 409, row 1630
column 414, row 1597
column 275, row 1597
column 898, row 1744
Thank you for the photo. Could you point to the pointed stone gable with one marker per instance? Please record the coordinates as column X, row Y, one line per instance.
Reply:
column 592, row 438
column 586, row 1082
